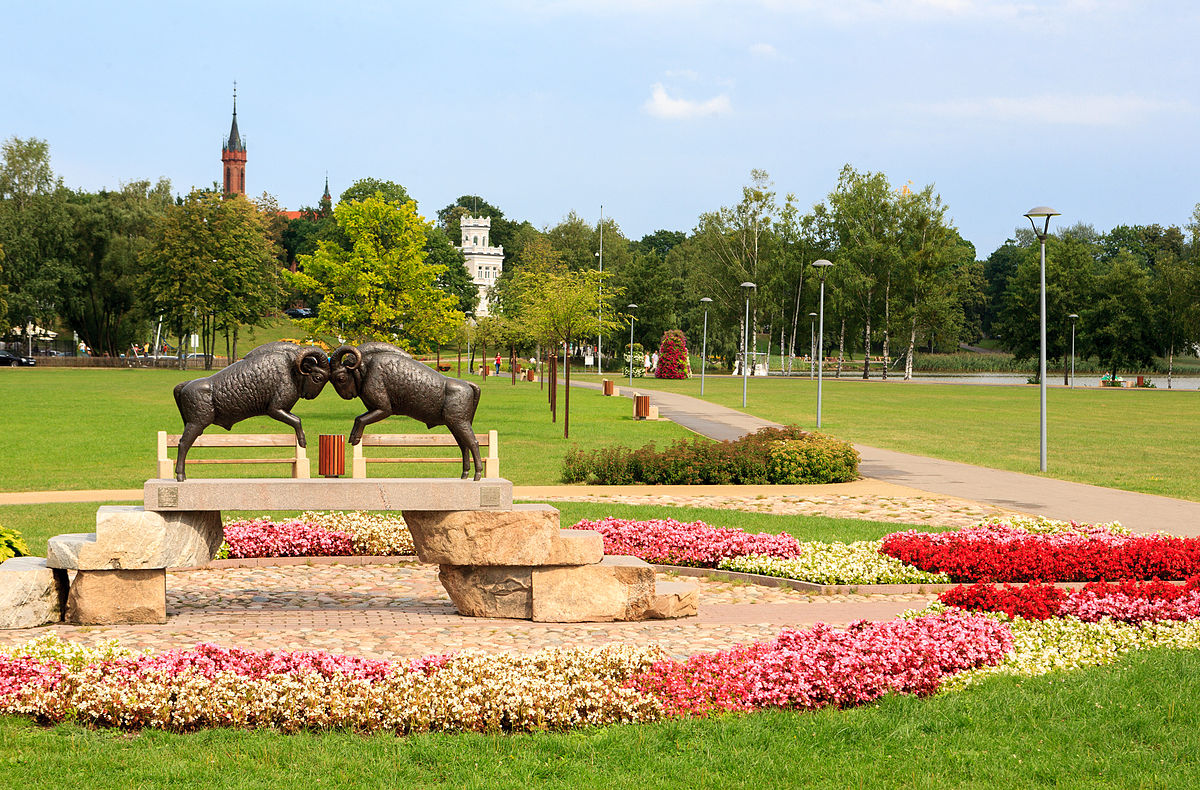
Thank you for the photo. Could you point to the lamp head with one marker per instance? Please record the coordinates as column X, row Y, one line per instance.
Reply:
column 705, row 300
column 823, row 267
column 812, row 315
column 1073, row 316
column 1041, row 212
column 631, row 306
column 749, row 285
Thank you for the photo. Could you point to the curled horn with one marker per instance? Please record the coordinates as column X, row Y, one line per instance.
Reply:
column 310, row 358
column 339, row 357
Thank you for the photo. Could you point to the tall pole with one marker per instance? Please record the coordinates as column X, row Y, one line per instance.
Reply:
column 1073, row 318
column 822, row 266
column 1042, row 212
column 704, row 347
column 748, row 287
column 812, row 344
column 1042, row 359
column 600, row 306
column 632, row 318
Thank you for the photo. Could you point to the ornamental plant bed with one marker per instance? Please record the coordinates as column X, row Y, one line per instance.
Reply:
column 1126, row 602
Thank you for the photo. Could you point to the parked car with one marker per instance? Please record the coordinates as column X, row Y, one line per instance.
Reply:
column 300, row 312
column 10, row 359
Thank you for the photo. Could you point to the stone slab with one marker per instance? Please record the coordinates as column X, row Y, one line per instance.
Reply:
column 377, row 493
column 673, row 600
column 489, row 591
column 527, row 535
column 130, row 537
column 118, row 597
column 31, row 593
column 618, row 588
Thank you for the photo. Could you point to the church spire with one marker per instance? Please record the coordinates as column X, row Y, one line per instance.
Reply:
column 233, row 155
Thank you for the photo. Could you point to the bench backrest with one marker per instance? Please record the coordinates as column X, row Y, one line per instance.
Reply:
column 490, row 440
column 298, row 461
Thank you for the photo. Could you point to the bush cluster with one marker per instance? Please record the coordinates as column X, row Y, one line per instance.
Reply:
column 747, row 461
column 673, row 356
column 11, row 544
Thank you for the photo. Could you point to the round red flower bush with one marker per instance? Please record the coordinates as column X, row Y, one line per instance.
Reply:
column 673, row 356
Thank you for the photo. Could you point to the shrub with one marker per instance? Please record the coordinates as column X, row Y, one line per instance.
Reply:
column 702, row 462
column 673, row 356
column 817, row 458
column 11, row 544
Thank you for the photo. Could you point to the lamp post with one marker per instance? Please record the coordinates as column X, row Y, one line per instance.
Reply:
column 747, row 287
column 631, row 308
column 29, row 330
column 1074, row 317
column 600, row 304
column 822, row 267
column 812, row 343
column 704, row 347
column 1036, row 213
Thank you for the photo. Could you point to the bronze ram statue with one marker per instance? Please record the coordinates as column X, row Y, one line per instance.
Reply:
column 268, row 381
column 388, row 381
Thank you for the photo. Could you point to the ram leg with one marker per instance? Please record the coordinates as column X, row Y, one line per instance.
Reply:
column 190, row 433
column 291, row 420
column 365, row 419
column 467, row 441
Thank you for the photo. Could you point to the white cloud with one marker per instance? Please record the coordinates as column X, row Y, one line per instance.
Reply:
column 660, row 105
column 765, row 52
column 686, row 74
column 1127, row 110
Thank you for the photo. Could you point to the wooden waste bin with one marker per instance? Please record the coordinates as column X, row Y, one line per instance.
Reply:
column 331, row 455
column 641, row 407
column 531, row 375
column 608, row 386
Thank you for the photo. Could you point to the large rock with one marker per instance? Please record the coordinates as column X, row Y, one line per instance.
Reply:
column 489, row 590
column 129, row 537
column 619, row 588
column 524, row 536
column 118, row 597
column 673, row 600
column 31, row 594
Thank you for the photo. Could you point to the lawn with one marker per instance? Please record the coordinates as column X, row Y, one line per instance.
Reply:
column 1135, row 724
column 1137, row 440
column 39, row 523
column 81, row 428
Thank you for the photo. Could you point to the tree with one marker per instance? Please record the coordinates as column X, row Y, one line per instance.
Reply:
column 383, row 287
column 210, row 266
column 35, row 230
column 101, row 300
column 1116, row 319
column 997, row 270
column 455, row 280
column 1175, row 296
column 660, row 242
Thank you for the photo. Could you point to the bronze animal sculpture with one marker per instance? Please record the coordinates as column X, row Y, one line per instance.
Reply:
column 268, row 381
column 388, row 381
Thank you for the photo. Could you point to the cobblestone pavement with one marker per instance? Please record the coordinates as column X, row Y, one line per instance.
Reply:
column 401, row 611
column 941, row 511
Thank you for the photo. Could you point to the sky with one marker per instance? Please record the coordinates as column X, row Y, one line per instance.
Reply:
column 658, row 110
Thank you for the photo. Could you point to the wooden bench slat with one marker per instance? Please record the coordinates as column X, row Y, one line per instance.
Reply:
column 238, row 440
column 417, row 440
column 288, row 461
column 413, row 460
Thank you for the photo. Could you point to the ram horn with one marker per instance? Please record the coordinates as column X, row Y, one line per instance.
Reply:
column 339, row 357
column 310, row 358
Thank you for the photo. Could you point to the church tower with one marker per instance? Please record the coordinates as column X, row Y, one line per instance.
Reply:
column 233, row 156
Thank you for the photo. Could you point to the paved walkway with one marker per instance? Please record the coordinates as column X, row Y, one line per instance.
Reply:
column 1044, row 496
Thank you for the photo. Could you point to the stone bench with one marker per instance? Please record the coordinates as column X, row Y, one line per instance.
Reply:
column 496, row 559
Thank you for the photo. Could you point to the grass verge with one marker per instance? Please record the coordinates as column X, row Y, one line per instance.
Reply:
column 1132, row 724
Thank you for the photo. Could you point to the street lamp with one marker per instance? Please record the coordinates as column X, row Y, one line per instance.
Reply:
column 704, row 347
column 823, row 267
column 1074, row 317
column 812, row 343
column 600, row 305
column 631, row 308
column 747, row 287
column 1036, row 213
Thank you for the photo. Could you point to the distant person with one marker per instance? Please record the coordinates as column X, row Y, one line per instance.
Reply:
column 654, row 361
column 497, row 363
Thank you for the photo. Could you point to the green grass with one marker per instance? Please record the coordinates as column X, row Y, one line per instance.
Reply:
column 1138, row 440
column 39, row 523
column 80, row 428
column 1134, row 724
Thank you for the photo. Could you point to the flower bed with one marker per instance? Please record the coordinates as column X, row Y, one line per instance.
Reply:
column 694, row 544
column 317, row 534
column 210, row 686
column 1005, row 553
column 835, row 563
column 1126, row 602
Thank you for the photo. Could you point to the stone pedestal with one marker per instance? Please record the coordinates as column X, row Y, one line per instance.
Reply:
column 31, row 594
column 129, row 537
column 118, row 597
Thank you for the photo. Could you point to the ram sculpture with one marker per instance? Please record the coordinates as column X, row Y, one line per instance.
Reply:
column 388, row 381
column 268, row 382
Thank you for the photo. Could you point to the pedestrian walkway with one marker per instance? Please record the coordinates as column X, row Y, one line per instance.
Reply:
column 1044, row 496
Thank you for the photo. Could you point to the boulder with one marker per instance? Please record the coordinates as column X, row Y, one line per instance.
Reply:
column 673, row 600
column 31, row 594
column 618, row 588
column 118, row 597
column 524, row 536
column 488, row 590
column 129, row 537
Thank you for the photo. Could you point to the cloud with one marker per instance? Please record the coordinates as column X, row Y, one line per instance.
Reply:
column 686, row 74
column 660, row 105
column 765, row 52
column 1127, row 110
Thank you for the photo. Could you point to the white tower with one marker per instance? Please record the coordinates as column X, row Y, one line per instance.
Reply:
column 484, row 262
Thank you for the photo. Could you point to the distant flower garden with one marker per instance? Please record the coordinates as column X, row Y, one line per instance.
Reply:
column 317, row 534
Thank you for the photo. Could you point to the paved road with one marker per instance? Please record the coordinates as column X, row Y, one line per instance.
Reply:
column 1044, row 496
